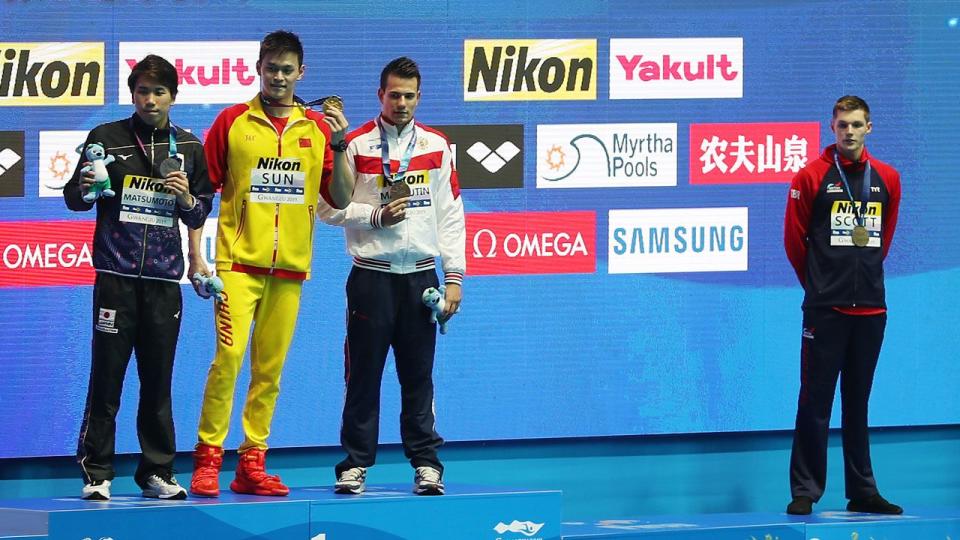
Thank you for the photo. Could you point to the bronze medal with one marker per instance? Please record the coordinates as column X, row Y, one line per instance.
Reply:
column 860, row 236
column 399, row 190
column 332, row 102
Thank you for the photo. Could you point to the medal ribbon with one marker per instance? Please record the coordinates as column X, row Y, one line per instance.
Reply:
column 385, row 153
column 297, row 102
column 860, row 210
column 171, row 149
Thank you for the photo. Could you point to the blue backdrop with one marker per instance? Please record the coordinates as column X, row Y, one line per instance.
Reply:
column 545, row 355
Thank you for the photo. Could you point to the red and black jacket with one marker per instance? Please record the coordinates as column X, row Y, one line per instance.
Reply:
column 834, row 272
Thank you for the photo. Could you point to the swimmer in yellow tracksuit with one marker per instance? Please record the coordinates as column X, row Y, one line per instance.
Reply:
column 271, row 160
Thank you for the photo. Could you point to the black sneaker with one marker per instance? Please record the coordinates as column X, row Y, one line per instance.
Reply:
column 800, row 506
column 874, row 504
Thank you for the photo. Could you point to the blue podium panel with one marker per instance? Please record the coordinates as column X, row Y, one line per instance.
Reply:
column 392, row 512
column 383, row 512
column 692, row 527
column 918, row 525
column 22, row 523
column 229, row 516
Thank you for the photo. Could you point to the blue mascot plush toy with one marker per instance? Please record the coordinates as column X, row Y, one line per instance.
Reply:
column 208, row 286
column 98, row 158
column 433, row 299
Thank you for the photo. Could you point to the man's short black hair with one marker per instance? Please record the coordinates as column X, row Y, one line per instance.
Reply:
column 402, row 67
column 280, row 42
column 156, row 68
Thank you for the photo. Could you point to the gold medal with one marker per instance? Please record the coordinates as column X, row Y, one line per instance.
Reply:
column 860, row 236
column 399, row 190
column 332, row 102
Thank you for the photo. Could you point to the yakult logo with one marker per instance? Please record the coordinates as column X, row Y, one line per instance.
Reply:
column 751, row 153
column 676, row 68
column 531, row 243
column 210, row 71
column 46, row 253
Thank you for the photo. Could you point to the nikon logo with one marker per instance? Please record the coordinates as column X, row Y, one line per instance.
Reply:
column 51, row 74
column 529, row 69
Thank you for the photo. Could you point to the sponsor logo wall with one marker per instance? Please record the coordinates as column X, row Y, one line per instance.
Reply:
column 677, row 150
column 529, row 69
column 606, row 155
column 500, row 243
column 676, row 68
column 58, row 160
column 210, row 71
column 51, row 74
column 678, row 240
column 12, row 151
column 487, row 156
column 46, row 253
column 751, row 153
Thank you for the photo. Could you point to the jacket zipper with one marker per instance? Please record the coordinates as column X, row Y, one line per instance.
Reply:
column 143, row 251
column 276, row 215
column 856, row 279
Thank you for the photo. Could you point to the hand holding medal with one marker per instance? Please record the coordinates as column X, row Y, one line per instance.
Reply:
column 331, row 102
column 176, row 181
column 398, row 190
column 333, row 115
column 169, row 165
column 395, row 211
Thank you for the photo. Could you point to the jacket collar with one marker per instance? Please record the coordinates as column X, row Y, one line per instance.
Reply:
column 391, row 129
column 829, row 151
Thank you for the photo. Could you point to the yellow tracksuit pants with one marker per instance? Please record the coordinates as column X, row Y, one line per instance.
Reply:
column 271, row 305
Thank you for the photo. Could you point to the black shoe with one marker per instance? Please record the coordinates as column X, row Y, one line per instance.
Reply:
column 800, row 506
column 874, row 504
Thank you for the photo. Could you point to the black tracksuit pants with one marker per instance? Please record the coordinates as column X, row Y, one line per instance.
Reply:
column 845, row 346
column 385, row 310
column 131, row 314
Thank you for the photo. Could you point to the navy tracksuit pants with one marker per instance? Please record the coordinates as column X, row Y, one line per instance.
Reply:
column 835, row 345
column 385, row 310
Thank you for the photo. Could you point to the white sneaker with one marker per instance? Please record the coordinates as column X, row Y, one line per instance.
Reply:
column 351, row 481
column 426, row 481
column 167, row 488
column 98, row 490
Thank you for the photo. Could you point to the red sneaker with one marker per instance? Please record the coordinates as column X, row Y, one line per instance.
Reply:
column 252, row 478
column 207, row 461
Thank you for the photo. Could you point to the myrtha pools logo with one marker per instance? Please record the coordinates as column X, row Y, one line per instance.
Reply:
column 606, row 155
